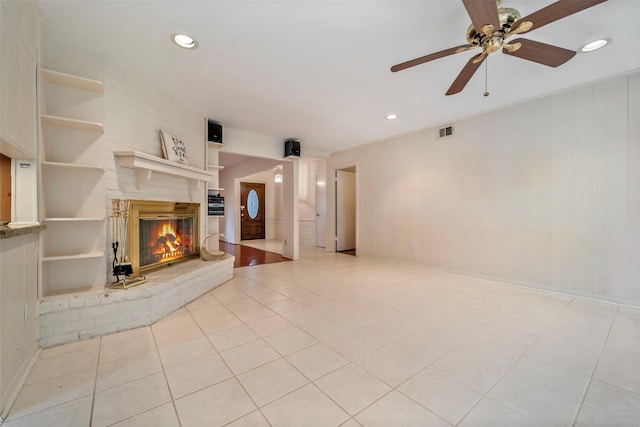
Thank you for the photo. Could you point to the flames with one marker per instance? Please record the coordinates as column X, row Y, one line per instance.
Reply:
column 169, row 239
column 165, row 241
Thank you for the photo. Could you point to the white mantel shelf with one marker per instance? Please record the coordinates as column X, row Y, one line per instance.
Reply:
column 146, row 164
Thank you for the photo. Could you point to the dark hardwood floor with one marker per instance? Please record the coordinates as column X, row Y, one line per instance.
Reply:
column 246, row 256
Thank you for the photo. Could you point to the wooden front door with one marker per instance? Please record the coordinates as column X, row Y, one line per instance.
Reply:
column 252, row 216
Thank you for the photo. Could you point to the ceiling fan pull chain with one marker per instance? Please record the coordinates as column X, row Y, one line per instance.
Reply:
column 486, row 74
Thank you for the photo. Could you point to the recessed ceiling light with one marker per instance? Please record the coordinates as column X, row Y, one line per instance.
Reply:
column 391, row 116
column 594, row 45
column 184, row 41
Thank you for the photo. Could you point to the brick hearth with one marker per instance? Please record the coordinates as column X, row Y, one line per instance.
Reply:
column 68, row 318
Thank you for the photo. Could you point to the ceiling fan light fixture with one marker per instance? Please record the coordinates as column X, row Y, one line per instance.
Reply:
column 184, row 40
column 391, row 116
column 594, row 45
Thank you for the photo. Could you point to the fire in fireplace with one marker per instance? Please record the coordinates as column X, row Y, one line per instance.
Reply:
column 163, row 240
column 162, row 233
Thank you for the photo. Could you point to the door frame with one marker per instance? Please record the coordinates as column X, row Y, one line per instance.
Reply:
column 331, row 203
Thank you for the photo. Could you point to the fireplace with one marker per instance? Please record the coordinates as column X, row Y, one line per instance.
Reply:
column 162, row 233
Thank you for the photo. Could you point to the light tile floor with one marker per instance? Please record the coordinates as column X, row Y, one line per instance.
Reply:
column 337, row 340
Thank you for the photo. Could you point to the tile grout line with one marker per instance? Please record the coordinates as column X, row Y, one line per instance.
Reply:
column 234, row 376
column 486, row 394
column 10, row 409
column 595, row 367
column 311, row 382
column 429, row 364
column 166, row 379
column 95, row 382
column 283, row 357
column 137, row 379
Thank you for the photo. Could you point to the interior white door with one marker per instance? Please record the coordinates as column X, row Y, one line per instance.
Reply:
column 345, row 210
column 321, row 209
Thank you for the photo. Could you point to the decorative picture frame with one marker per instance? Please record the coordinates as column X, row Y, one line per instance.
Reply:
column 173, row 148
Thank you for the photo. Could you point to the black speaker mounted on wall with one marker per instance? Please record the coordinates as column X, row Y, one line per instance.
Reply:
column 214, row 132
column 292, row 148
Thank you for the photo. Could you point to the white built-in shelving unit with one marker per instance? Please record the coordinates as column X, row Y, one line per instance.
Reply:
column 215, row 146
column 73, row 194
column 212, row 226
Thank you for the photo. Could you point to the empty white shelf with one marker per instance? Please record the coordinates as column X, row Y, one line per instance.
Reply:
column 72, row 166
column 72, row 219
column 96, row 254
column 71, row 81
column 72, row 123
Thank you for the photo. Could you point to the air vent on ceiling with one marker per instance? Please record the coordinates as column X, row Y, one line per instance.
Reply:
column 445, row 131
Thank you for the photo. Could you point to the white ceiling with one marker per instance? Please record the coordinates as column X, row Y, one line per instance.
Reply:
column 319, row 70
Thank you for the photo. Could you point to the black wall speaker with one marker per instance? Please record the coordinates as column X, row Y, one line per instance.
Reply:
column 214, row 132
column 292, row 148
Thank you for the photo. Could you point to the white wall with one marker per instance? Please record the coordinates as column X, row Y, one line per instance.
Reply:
column 19, row 46
column 255, row 144
column 18, row 314
column 252, row 144
column 545, row 193
column 18, row 254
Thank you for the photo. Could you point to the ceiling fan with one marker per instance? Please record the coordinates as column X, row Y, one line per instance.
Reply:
column 492, row 26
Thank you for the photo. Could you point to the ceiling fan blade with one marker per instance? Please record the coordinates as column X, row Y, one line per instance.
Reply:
column 431, row 57
column 467, row 72
column 555, row 11
column 482, row 13
column 541, row 53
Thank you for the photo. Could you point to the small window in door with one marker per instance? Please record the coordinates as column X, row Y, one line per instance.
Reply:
column 253, row 204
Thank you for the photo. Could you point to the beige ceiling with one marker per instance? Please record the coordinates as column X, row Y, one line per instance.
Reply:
column 319, row 70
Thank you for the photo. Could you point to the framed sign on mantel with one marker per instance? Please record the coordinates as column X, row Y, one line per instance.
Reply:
column 173, row 148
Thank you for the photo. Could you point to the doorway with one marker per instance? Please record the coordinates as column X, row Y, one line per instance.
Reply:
column 252, row 211
column 345, row 200
column 321, row 202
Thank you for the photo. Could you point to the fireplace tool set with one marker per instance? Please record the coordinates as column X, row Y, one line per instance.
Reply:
column 119, row 235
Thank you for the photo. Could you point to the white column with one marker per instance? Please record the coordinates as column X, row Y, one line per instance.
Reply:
column 290, row 172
